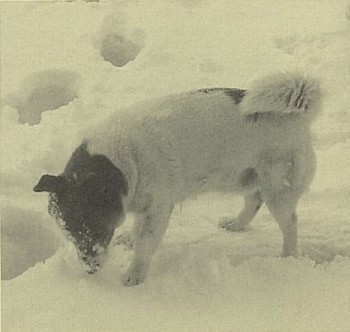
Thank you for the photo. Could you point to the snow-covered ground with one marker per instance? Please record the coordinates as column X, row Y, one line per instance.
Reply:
column 86, row 59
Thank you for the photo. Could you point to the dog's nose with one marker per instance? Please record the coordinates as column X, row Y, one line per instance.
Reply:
column 91, row 268
column 92, row 264
column 91, row 271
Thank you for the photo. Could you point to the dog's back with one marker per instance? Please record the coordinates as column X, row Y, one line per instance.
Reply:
column 205, row 140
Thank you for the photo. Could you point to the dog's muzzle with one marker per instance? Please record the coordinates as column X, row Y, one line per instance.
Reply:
column 92, row 265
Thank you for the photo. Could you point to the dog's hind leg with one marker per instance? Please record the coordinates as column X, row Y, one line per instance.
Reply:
column 276, row 178
column 152, row 224
column 252, row 204
column 286, row 218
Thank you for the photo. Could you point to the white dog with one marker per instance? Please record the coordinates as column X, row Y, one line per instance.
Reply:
column 146, row 158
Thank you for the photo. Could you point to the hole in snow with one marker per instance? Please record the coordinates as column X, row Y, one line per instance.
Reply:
column 118, row 50
column 44, row 91
column 119, row 44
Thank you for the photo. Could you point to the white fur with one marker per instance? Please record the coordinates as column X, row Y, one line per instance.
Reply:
column 183, row 145
column 282, row 93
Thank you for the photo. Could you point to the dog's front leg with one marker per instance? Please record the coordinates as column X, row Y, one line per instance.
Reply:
column 152, row 226
column 252, row 204
column 128, row 237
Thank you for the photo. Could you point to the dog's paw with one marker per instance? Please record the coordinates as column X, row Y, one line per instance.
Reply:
column 289, row 253
column 231, row 224
column 132, row 278
column 126, row 239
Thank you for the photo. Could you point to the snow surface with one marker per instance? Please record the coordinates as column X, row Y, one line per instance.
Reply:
column 91, row 58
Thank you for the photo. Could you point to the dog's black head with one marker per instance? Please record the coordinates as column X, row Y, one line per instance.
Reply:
column 86, row 201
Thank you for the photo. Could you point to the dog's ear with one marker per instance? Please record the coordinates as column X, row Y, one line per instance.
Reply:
column 51, row 183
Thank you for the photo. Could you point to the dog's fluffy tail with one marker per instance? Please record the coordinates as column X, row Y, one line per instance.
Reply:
column 282, row 94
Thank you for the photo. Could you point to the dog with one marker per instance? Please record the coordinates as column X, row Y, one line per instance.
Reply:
column 146, row 158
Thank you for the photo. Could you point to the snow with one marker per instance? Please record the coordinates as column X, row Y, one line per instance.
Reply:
column 202, row 277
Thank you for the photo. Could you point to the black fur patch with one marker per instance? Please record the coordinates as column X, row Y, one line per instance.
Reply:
column 82, row 165
column 91, row 206
column 235, row 94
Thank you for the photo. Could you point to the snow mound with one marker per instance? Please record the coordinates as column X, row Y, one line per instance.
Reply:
column 189, row 290
column 293, row 43
column 118, row 43
column 27, row 238
column 347, row 11
column 43, row 91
